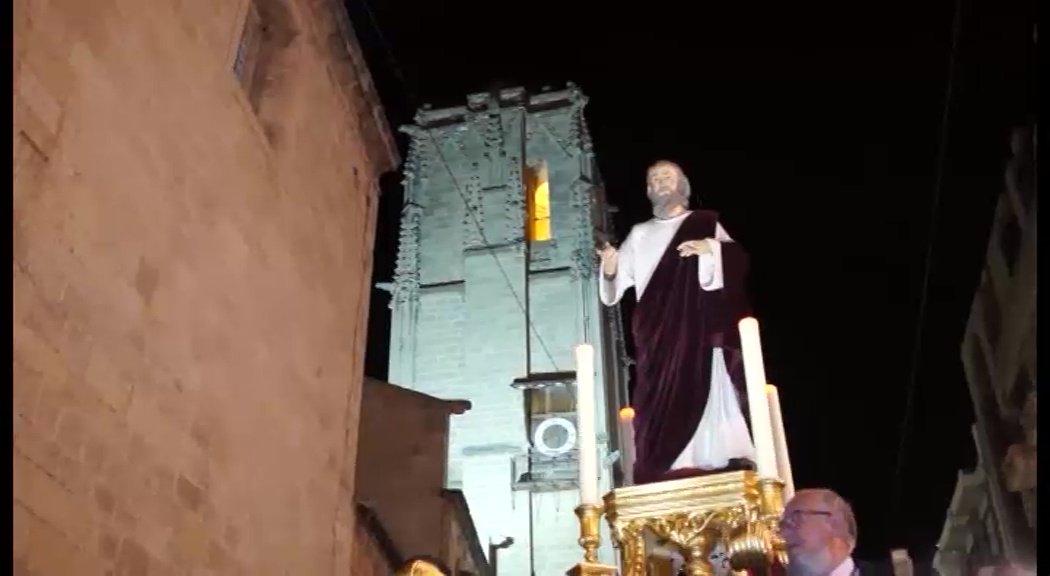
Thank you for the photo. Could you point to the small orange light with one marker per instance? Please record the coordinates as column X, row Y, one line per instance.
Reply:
column 627, row 413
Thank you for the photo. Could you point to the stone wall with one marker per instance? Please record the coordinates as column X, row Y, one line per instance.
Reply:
column 401, row 463
column 999, row 360
column 401, row 473
column 190, row 269
column 461, row 289
column 374, row 551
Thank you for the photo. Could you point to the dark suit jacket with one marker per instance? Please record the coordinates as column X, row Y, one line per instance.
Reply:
column 860, row 568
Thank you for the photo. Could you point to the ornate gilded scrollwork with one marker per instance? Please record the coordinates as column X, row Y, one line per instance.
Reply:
column 694, row 515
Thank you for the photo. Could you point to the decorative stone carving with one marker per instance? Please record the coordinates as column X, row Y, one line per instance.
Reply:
column 579, row 137
column 543, row 254
column 406, row 270
column 473, row 214
column 417, row 164
column 586, row 144
column 515, row 202
column 582, row 257
column 449, row 143
column 493, row 137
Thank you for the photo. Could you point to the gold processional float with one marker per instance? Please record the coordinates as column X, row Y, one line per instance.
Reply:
column 736, row 511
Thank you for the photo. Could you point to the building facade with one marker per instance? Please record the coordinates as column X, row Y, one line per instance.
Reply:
column 401, row 478
column 195, row 189
column 374, row 550
column 494, row 288
column 992, row 517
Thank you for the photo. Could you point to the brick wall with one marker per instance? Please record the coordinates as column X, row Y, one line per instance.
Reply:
column 189, row 291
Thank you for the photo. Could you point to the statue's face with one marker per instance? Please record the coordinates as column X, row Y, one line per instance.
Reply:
column 663, row 180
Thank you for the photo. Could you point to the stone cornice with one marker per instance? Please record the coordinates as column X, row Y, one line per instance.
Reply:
column 378, row 129
column 507, row 99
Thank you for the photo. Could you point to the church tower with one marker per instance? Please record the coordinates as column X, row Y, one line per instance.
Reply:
column 495, row 285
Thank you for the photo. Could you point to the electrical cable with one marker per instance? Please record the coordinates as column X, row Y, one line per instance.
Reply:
column 909, row 402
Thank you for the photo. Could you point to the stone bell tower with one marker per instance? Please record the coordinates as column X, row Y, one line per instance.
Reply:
column 495, row 285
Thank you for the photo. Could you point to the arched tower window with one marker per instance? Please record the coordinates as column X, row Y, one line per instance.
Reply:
column 537, row 186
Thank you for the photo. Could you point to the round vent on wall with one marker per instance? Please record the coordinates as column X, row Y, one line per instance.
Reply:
column 554, row 436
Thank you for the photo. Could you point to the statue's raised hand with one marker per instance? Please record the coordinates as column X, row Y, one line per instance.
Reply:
column 610, row 259
column 694, row 248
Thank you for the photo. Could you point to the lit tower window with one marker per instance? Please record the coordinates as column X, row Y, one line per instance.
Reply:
column 539, row 203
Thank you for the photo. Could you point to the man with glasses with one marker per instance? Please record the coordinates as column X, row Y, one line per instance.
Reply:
column 820, row 531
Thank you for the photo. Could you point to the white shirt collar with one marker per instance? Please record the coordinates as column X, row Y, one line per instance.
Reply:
column 844, row 569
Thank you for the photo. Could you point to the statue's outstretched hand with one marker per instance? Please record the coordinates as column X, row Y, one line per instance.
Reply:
column 610, row 259
column 694, row 248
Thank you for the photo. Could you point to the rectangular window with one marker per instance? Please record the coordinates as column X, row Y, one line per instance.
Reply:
column 537, row 187
column 246, row 61
column 550, row 401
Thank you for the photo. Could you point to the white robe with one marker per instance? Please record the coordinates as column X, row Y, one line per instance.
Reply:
column 722, row 433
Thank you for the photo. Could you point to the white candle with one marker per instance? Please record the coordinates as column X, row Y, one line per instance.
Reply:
column 627, row 444
column 780, row 442
column 758, row 405
column 585, row 422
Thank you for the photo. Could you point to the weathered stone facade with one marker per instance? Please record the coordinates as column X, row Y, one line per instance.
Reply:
column 374, row 550
column 460, row 295
column 190, row 267
column 992, row 517
column 401, row 476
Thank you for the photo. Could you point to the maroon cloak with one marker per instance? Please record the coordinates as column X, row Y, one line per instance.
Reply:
column 676, row 326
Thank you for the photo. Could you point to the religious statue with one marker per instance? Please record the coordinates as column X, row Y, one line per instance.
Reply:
column 688, row 276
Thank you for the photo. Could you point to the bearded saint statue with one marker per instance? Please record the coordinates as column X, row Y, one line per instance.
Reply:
column 688, row 276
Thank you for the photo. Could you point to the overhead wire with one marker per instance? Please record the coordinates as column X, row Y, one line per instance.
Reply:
column 488, row 246
column 909, row 402
column 475, row 218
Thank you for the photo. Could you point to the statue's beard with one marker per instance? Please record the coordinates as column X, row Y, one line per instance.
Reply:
column 665, row 205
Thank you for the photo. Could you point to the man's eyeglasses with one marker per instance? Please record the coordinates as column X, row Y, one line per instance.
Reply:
column 794, row 517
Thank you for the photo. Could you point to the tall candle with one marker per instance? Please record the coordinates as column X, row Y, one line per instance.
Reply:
column 758, row 405
column 585, row 422
column 627, row 453
column 780, row 442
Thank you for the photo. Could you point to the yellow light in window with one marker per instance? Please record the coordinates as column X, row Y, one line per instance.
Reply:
column 540, row 205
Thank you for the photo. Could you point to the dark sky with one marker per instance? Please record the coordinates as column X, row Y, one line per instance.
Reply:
column 814, row 130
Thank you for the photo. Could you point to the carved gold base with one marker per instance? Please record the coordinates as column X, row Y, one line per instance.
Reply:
column 591, row 569
column 734, row 509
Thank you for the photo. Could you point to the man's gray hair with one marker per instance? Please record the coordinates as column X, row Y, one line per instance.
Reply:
column 842, row 513
column 684, row 188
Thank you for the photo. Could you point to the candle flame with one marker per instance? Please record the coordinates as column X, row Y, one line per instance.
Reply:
column 770, row 388
column 627, row 413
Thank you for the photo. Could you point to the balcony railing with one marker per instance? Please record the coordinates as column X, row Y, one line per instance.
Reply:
column 537, row 472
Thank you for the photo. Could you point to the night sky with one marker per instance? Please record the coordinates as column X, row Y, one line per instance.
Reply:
column 814, row 129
